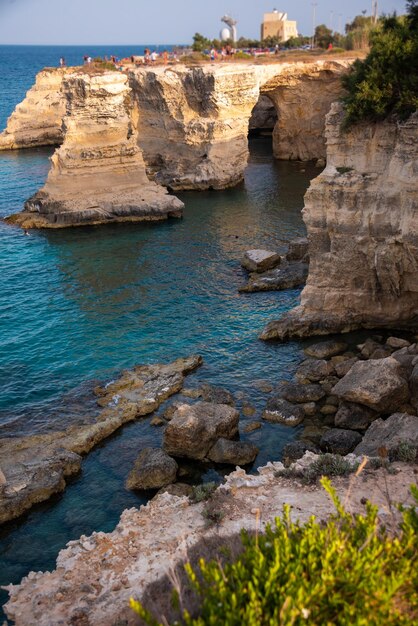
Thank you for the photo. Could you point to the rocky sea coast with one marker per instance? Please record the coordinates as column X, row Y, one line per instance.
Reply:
column 127, row 142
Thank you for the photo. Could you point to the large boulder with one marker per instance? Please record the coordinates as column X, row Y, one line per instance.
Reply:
column 377, row 384
column 260, row 260
column 354, row 416
column 153, row 469
column 280, row 411
column 388, row 434
column 296, row 449
column 339, row 441
column 194, row 429
column 233, row 452
column 325, row 349
column 301, row 394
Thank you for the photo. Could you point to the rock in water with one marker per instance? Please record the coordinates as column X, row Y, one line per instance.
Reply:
column 98, row 174
column 218, row 395
column 153, row 469
column 194, row 429
column 377, row 384
column 233, row 452
column 35, row 467
column 302, row 394
column 280, row 411
column 325, row 349
column 388, row 434
column 339, row 441
column 286, row 276
column 260, row 260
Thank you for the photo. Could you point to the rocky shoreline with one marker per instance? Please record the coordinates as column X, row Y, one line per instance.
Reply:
column 95, row 576
column 35, row 467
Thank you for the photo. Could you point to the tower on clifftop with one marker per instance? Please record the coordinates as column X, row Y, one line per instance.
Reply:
column 231, row 31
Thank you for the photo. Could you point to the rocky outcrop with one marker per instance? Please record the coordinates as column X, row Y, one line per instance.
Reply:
column 35, row 467
column 193, row 122
column 361, row 216
column 37, row 121
column 95, row 576
column 153, row 469
column 98, row 174
column 189, row 124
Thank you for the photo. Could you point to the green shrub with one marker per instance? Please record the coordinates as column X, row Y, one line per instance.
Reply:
column 203, row 492
column 347, row 572
column 386, row 81
column 344, row 170
column 325, row 465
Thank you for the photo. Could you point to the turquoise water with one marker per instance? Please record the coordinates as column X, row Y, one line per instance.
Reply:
column 79, row 305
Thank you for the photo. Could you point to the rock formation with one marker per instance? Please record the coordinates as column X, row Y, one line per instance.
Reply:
column 95, row 576
column 37, row 121
column 35, row 467
column 193, row 122
column 189, row 124
column 98, row 174
column 361, row 214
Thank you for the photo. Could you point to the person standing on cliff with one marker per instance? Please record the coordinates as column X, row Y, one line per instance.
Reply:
column 62, row 62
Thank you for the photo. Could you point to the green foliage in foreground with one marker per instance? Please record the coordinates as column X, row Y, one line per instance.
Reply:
column 347, row 572
column 386, row 81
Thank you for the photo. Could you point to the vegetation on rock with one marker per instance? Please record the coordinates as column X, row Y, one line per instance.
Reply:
column 349, row 570
column 386, row 81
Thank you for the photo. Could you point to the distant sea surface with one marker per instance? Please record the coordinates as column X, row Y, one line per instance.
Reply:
column 79, row 305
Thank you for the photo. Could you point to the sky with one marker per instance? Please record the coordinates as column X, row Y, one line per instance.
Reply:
column 71, row 22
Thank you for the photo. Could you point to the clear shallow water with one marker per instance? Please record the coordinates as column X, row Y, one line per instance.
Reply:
column 81, row 304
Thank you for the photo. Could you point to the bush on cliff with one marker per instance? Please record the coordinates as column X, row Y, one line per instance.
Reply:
column 386, row 81
column 349, row 571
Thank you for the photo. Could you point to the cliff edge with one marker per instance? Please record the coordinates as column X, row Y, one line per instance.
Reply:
column 361, row 214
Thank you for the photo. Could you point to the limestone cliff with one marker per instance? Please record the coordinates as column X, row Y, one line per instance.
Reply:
column 37, row 121
column 98, row 174
column 193, row 122
column 361, row 214
column 182, row 127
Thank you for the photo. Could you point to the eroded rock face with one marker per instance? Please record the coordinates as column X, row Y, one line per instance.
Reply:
column 361, row 217
column 194, row 429
column 37, row 121
column 98, row 174
column 35, row 467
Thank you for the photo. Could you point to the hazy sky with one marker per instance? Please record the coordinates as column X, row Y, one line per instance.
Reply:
column 159, row 21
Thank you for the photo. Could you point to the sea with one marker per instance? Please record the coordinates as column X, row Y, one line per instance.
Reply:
column 79, row 305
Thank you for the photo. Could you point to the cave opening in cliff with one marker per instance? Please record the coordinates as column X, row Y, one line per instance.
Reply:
column 263, row 118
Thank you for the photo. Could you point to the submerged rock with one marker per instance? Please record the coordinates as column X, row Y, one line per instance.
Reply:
column 233, row 452
column 153, row 469
column 35, row 467
column 286, row 276
column 302, row 394
column 314, row 370
column 260, row 260
column 194, row 429
column 280, row 411
column 218, row 395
